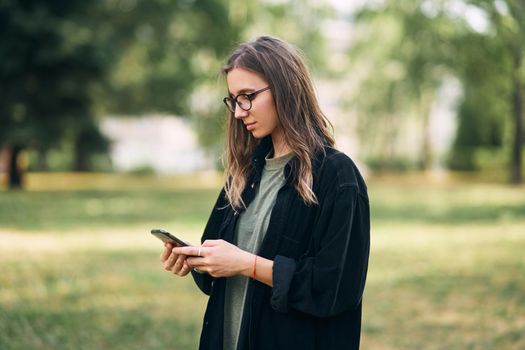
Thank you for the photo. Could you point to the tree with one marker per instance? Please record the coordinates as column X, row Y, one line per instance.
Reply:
column 403, row 52
column 45, row 79
column 438, row 39
column 482, row 113
column 64, row 63
column 163, row 50
column 64, row 60
column 508, row 20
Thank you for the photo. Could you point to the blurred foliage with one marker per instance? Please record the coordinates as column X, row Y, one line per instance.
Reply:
column 406, row 50
column 486, row 70
column 65, row 63
column 47, row 73
column 163, row 49
column 145, row 169
column 401, row 54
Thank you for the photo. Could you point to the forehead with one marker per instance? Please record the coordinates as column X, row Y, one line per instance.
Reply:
column 242, row 80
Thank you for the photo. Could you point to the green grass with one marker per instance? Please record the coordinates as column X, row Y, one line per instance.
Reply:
column 79, row 270
column 63, row 202
column 446, row 288
column 70, row 210
column 96, row 300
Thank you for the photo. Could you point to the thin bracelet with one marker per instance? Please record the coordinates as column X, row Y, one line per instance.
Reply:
column 254, row 267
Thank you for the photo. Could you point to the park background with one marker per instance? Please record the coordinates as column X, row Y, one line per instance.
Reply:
column 111, row 123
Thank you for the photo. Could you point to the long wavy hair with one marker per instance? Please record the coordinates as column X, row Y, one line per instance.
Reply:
column 305, row 127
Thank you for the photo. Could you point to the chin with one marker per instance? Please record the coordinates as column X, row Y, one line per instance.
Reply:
column 259, row 135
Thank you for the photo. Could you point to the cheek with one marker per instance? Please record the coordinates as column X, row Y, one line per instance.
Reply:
column 270, row 115
column 274, row 117
column 266, row 114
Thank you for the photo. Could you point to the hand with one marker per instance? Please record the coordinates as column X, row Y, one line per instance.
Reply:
column 175, row 263
column 218, row 258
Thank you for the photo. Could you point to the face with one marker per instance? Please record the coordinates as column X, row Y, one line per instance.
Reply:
column 261, row 120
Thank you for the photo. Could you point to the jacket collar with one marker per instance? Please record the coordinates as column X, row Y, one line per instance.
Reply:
column 260, row 152
column 291, row 169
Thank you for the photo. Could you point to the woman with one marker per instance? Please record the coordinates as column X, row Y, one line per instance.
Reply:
column 284, row 254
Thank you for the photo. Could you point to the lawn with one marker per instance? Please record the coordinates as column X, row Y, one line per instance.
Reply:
column 80, row 271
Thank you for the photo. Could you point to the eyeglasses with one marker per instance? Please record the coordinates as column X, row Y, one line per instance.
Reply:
column 244, row 101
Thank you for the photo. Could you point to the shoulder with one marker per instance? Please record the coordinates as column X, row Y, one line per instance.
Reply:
column 335, row 169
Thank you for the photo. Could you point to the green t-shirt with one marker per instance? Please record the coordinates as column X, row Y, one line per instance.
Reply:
column 249, row 234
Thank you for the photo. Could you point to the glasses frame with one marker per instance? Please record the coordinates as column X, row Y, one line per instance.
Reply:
column 251, row 96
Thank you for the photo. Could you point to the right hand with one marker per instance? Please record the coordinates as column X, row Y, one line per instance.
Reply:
column 175, row 263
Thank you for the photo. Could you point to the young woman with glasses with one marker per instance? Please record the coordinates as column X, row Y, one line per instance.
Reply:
column 284, row 254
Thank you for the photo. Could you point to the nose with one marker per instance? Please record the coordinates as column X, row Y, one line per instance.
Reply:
column 240, row 113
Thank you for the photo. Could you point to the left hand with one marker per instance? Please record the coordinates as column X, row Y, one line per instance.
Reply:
column 173, row 262
column 218, row 258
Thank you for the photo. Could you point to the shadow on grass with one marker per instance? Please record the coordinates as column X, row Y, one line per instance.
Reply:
column 69, row 209
column 454, row 214
column 64, row 210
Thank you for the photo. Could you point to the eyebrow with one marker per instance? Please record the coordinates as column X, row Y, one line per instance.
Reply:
column 242, row 91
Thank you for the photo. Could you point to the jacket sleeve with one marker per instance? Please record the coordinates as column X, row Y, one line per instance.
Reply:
column 331, row 279
column 203, row 280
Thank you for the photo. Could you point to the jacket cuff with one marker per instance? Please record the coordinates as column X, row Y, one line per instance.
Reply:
column 203, row 281
column 283, row 271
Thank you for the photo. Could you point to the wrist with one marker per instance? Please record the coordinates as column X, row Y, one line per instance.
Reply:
column 247, row 269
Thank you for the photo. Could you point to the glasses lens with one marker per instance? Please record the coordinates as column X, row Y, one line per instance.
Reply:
column 230, row 104
column 244, row 102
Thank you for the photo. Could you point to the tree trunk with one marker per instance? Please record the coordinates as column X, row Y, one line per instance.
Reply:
column 14, row 170
column 81, row 159
column 41, row 160
column 517, row 146
column 425, row 107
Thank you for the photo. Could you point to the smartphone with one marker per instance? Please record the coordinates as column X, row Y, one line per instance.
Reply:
column 166, row 237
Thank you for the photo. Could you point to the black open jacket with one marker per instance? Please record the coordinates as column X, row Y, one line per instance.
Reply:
column 320, row 255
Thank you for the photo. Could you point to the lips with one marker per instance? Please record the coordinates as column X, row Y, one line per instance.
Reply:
column 250, row 126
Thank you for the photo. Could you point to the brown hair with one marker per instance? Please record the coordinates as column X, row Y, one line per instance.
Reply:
column 305, row 127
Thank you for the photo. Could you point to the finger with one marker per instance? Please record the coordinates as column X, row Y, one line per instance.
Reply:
column 190, row 251
column 165, row 253
column 196, row 262
column 185, row 269
column 178, row 264
column 168, row 264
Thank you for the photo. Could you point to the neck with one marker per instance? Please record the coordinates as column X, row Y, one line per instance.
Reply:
column 280, row 148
